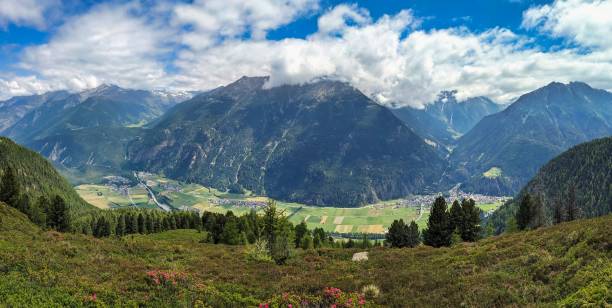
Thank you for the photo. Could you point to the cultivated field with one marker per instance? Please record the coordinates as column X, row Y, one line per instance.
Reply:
column 374, row 218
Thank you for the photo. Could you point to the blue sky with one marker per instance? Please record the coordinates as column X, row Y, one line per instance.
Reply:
column 398, row 52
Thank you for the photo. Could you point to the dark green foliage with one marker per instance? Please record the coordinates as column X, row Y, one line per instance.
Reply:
column 59, row 217
column 402, row 235
column 438, row 232
column 563, row 265
column 523, row 215
column 469, row 225
column 300, row 231
column 9, row 188
column 23, row 172
column 414, row 235
column 572, row 210
column 285, row 143
column 456, row 215
column 538, row 217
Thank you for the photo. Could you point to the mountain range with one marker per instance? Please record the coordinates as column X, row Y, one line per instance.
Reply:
column 86, row 130
column 442, row 122
column 504, row 150
column 322, row 142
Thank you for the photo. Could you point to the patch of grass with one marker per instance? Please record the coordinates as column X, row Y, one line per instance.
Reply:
column 492, row 173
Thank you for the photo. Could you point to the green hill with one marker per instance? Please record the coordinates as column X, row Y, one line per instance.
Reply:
column 564, row 265
column 584, row 170
column 37, row 177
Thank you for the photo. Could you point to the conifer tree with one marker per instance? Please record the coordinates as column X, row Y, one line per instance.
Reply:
column 413, row 235
column 523, row 215
column 571, row 206
column 438, row 233
column 121, row 227
column 558, row 213
column 231, row 234
column 538, row 216
column 397, row 236
column 59, row 217
column 469, row 227
column 300, row 231
column 142, row 225
column 456, row 216
column 9, row 188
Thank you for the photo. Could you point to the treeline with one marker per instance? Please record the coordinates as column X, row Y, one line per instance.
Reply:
column 271, row 232
column 444, row 227
column 47, row 213
column 531, row 212
column 122, row 222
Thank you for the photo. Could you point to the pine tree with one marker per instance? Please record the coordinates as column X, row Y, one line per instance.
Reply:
column 438, row 233
column 469, row 227
column 523, row 215
column 538, row 216
column 300, row 231
column 231, row 234
column 558, row 213
column 456, row 216
column 38, row 216
column 571, row 206
column 59, row 218
column 413, row 235
column 142, row 224
column 9, row 188
column 397, row 234
column 121, row 227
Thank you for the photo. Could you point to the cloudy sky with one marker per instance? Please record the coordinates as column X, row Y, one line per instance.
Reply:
column 397, row 52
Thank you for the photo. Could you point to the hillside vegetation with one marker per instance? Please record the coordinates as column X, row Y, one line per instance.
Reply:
column 568, row 264
column 36, row 177
column 580, row 178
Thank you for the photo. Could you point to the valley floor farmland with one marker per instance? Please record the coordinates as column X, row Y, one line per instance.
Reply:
column 372, row 219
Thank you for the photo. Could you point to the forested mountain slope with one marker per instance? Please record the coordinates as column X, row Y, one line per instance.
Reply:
column 504, row 150
column 320, row 143
column 36, row 177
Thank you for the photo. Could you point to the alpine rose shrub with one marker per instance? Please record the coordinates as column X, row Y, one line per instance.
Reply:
column 166, row 278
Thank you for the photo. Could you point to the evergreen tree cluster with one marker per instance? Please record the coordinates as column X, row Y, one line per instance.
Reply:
column 53, row 214
column 446, row 227
column 402, row 235
column 531, row 212
column 139, row 221
column 273, row 227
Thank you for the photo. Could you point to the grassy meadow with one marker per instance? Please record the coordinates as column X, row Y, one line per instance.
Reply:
column 563, row 265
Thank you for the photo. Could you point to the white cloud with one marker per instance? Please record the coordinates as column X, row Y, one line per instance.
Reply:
column 586, row 22
column 377, row 58
column 107, row 44
column 337, row 19
column 389, row 59
column 216, row 20
column 25, row 12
